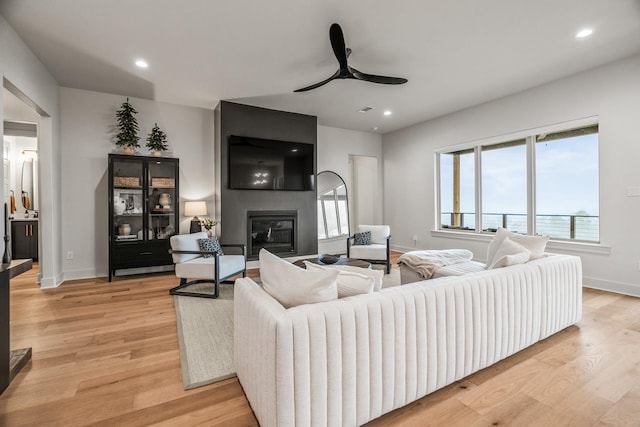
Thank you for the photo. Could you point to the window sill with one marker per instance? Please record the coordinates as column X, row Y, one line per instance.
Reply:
column 553, row 245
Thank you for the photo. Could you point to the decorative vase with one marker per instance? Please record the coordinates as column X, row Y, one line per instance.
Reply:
column 157, row 153
column 124, row 229
column 128, row 149
column 165, row 200
column 119, row 206
column 211, row 233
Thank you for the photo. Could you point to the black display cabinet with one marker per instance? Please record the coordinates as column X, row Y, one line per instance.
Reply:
column 143, row 211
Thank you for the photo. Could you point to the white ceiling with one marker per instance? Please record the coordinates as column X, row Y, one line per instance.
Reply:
column 455, row 53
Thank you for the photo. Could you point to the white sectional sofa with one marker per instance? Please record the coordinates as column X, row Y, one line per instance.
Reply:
column 348, row 361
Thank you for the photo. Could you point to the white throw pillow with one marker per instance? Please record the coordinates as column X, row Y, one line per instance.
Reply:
column 534, row 244
column 510, row 253
column 349, row 283
column 292, row 285
column 376, row 274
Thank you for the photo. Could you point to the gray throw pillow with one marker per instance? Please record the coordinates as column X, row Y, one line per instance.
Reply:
column 210, row 245
column 362, row 238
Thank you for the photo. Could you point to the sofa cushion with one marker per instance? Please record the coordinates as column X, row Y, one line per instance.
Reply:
column 292, row 285
column 186, row 242
column 204, row 268
column 510, row 253
column 362, row 238
column 349, row 283
column 373, row 251
column 210, row 245
column 534, row 244
column 379, row 233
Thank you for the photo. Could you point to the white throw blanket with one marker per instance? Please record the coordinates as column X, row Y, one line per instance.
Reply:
column 425, row 263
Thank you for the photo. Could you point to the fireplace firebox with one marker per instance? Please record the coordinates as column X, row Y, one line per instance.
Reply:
column 276, row 231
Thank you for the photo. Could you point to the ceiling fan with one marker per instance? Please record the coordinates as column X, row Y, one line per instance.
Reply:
column 345, row 71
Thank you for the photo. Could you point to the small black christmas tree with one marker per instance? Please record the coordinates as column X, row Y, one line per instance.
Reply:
column 157, row 140
column 127, row 126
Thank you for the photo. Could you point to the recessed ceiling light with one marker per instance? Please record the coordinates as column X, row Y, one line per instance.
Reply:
column 365, row 109
column 586, row 32
column 374, row 128
column 387, row 112
column 142, row 63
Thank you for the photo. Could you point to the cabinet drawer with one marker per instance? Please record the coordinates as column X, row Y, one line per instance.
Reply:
column 140, row 255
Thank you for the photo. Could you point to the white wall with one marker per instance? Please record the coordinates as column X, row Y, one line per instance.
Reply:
column 88, row 120
column 611, row 92
column 335, row 148
column 366, row 191
column 21, row 67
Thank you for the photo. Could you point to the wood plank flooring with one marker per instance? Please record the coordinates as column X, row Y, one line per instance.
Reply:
column 107, row 354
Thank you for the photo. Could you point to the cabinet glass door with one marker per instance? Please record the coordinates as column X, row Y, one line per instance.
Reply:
column 162, row 199
column 128, row 201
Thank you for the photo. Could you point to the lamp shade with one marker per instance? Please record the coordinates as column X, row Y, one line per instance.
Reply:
column 195, row 208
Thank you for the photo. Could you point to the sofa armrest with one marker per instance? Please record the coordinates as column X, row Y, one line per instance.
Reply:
column 255, row 317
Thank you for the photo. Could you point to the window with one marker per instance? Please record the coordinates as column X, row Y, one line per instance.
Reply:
column 542, row 181
column 457, row 184
column 332, row 213
column 567, row 184
column 504, row 186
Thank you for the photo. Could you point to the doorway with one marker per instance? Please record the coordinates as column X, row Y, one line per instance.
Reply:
column 21, row 173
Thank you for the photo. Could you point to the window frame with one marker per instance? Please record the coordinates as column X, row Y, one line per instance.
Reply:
column 529, row 135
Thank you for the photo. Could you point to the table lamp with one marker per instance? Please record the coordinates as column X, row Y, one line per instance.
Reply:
column 194, row 209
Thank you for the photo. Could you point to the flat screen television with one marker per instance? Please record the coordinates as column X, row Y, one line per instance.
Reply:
column 266, row 164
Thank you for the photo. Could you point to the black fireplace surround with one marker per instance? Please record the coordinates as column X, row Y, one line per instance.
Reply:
column 274, row 230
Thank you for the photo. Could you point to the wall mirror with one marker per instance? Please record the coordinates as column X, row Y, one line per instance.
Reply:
column 333, row 213
column 21, row 167
column 29, row 180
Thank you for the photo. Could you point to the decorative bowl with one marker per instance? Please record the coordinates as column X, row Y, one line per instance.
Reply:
column 328, row 259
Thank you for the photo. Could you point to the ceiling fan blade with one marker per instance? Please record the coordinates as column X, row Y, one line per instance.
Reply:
column 322, row 83
column 385, row 80
column 338, row 46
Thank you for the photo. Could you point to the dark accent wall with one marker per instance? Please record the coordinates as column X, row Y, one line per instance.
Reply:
column 246, row 120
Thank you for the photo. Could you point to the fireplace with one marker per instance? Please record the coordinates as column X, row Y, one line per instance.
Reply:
column 276, row 231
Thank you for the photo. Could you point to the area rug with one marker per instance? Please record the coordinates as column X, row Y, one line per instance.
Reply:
column 205, row 333
column 205, row 336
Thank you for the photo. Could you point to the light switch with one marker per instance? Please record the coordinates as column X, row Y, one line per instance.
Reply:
column 633, row 191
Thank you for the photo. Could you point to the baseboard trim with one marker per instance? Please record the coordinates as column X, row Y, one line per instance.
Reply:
column 611, row 286
column 403, row 249
column 51, row 282
column 80, row 274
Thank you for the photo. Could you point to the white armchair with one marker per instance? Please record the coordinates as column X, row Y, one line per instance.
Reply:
column 378, row 251
column 191, row 263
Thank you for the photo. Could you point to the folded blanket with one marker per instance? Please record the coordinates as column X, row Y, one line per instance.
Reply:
column 425, row 263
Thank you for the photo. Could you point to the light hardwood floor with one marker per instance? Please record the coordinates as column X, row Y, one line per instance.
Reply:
column 107, row 354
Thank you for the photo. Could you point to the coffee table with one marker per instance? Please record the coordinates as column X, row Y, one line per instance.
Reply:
column 342, row 261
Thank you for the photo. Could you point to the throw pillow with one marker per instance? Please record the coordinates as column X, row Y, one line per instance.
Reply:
column 292, row 285
column 534, row 244
column 510, row 253
column 362, row 238
column 210, row 245
column 349, row 283
column 376, row 274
